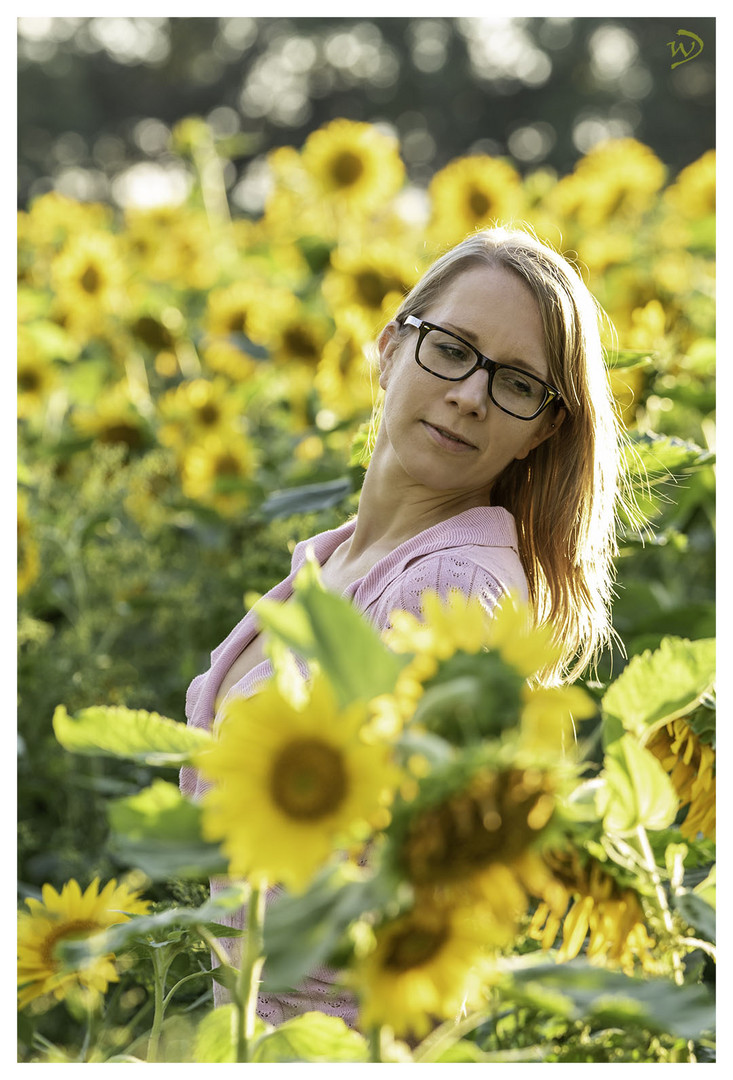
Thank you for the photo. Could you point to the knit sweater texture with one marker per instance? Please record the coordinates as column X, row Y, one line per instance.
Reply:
column 474, row 552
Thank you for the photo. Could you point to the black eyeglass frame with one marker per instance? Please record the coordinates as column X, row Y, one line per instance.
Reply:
column 483, row 363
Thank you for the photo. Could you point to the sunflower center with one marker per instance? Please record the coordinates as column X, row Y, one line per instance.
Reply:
column 479, row 203
column 227, row 465
column 90, row 280
column 414, row 945
column 209, row 414
column 69, row 931
column 238, row 322
column 346, row 168
column 299, row 342
column 308, row 780
column 491, row 821
column 29, row 381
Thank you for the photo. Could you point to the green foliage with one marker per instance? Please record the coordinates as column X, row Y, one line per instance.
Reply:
column 658, row 686
column 159, row 831
column 128, row 733
column 637, row 791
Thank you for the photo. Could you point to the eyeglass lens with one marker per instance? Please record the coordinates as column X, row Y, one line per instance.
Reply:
column 447, row 357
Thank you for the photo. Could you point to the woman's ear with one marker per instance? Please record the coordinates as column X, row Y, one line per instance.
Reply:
column 546, row 431
column 387, row 342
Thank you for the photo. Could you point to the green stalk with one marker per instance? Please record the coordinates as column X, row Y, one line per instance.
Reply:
column 651, row 866
column 249, row 976
column 160, row 971
column 375, row 1043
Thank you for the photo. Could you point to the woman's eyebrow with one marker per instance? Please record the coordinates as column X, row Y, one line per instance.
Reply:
column 516, row 362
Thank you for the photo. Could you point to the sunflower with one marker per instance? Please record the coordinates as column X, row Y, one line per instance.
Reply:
column 590, row 903
column 222, row 357
column 197, row 408
column 472, row 193
column 617, row 181
column 246, row 308
column 494, row 817
column 170, row 246
column 355, row 165
column 29, row 563
column 346, row 379
column 68, row 915
column 298, row 336
column 424, row 966
column 216, row 468
column 113, row 418
column 88, row 277
column 37, row 375
column 292, row 785
column 692, row 195
column 456, row 628
column 373, row 278
column 691, row 766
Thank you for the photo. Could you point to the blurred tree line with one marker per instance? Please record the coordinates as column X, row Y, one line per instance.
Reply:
column 99, row 95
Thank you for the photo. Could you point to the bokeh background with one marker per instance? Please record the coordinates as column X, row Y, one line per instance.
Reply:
column 98, row 97
column 216, row 217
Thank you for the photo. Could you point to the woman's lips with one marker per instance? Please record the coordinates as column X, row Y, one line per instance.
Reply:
column 446, row 440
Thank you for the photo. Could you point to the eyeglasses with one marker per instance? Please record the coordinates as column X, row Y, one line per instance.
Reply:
column 448, row 356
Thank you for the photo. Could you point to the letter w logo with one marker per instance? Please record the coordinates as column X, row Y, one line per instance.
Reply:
column 688, row 51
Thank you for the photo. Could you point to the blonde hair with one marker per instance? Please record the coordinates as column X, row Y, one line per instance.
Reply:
column 564, row 495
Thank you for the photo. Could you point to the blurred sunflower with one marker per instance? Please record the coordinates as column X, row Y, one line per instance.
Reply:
column 690, row 763
column 197, row 408
column 600, row 909
column 428, row 964
column 215, row 470
column 692, row 195
column 37, row 375
column 168, row 244
column 88, row 278
column 248, row 308
column 29, row 563
column 354, row 165
column 68, row 915
column 472, row 193
column 346, row 379
column 494, row 818
column 616, row 181
column 298, row 336
column 457, row 626
column 52, row 219
column 373, row 278
column 113, row 418
column 222, row 357
column 292, row 785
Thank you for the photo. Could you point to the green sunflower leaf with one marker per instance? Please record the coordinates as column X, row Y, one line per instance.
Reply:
column 322, row 626
column 658, row 686
column 215, row 1036
column 135, row 734
column 637, row 791
column 314, row 1036
column 158, row 831
column 611, row 998
column 76, row 952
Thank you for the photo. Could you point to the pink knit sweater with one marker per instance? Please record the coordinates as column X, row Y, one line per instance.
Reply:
column 475, row 552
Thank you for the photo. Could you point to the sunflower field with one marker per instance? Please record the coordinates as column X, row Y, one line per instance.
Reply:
column 531, row 879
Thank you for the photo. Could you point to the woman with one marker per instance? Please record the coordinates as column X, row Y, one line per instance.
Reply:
column 496, row 466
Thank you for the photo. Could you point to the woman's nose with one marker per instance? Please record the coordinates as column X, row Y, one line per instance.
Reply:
column 471, row 395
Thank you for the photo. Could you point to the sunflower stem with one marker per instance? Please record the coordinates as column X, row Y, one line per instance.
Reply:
column 661, row 896
column 160, row 973
column 249, row 976
column 375, row 1043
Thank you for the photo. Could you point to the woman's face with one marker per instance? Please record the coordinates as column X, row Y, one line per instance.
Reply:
column 496, row 311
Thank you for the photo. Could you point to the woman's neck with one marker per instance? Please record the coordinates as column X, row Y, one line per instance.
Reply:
column 393, row 508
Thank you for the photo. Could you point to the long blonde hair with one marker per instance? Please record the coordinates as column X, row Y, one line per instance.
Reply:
column 564, row 495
